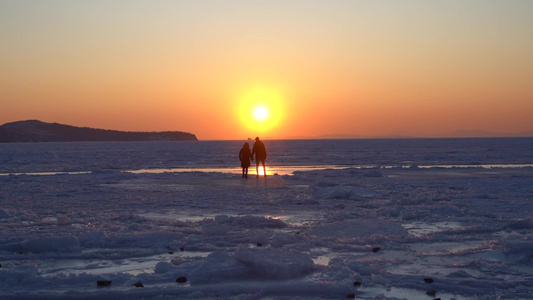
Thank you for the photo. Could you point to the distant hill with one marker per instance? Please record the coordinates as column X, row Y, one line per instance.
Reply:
column 483, row 133
column 353, row 136
column 37, row 131
column 462, row 133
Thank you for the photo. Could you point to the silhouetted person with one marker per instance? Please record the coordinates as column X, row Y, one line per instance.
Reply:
column 260, row 155
column 244, row 156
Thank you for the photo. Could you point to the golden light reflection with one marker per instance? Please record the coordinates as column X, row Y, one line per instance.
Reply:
column 260, row 109
column 276, row 217
column 261, row 171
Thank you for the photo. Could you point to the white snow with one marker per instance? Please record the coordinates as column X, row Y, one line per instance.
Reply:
column 308, row 235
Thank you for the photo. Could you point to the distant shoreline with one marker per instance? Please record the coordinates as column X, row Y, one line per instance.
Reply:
column 456, row 135
column 32, row 131
column 374, row 138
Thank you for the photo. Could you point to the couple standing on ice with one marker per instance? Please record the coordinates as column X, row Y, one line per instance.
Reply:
column 260, row 155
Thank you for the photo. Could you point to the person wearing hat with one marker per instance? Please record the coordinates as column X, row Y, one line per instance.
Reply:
column 260, row 153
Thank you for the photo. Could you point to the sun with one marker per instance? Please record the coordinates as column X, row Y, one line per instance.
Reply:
column 260, row 109
column 261, row 113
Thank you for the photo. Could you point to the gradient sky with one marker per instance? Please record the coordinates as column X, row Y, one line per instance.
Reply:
column 370, row 68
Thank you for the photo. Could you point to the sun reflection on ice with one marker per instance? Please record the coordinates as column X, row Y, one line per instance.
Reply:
column 280, row 217
column 261, row 171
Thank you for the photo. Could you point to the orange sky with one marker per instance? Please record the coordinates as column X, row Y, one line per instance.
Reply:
column 368, row 68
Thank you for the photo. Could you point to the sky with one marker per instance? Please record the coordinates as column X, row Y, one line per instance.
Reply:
column 314, row 68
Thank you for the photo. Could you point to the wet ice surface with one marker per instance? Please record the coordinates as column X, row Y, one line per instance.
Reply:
column 307, row 235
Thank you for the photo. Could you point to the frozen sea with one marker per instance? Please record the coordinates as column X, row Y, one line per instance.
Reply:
column 334, row 219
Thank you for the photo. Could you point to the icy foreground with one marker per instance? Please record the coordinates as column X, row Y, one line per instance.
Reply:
column 85, row 229
column 331, row 234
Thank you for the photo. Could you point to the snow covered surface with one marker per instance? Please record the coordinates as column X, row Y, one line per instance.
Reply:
column 373, row 229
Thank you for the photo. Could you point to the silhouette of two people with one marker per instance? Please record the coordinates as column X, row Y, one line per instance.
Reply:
column 245, row 156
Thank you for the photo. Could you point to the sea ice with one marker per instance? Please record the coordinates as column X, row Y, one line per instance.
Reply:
column 311, row 235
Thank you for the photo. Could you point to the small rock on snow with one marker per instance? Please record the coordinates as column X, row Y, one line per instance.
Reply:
column 103, row 282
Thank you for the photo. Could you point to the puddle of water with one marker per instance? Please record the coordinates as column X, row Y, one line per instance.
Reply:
column 173, row 215
column 46, row 173
column 272, row 170
column 300, row 219
column 322, row 260
column 420, row 229
column 459, row 248
column 323, row 255
column 133, row 266
column 138, row 185
column 493, row 166
column 294, row 219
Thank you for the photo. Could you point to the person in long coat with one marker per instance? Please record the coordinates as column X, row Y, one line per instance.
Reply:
column 244, row 156
column 260, row 155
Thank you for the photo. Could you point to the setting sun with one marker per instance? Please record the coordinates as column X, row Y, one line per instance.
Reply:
column 260, row 109
column 261, row 113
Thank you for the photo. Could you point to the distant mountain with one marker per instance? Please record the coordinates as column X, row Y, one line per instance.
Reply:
column 483, row 133
column 353, row 136
column 462, row 133
column 338, row 136
column 37, row 131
